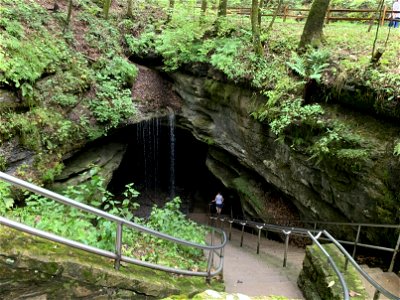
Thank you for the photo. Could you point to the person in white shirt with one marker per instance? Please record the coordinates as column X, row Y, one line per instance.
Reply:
column 395, row 16
column 219, row 202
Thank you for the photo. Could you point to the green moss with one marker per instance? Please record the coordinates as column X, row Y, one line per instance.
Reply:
column 34, row 259
column 318, row 279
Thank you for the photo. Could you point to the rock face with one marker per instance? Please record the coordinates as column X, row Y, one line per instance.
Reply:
column 219, row 114
column 34, row 268
column 108, row 156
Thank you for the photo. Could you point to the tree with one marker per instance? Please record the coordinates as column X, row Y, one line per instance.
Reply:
column 129, row 13
column 255, row 27
column 203, row 7
column 106, row 8
column 69, row 13
column 223, row 4
column 313, row 29
column 170, row 9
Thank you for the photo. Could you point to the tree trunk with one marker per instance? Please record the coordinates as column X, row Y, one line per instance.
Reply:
column 171, row 9
column 129, row 12
column 203, row 7
column 223, row 4
column 255, row 28
column 106, row 8
column 263, row 3
column 313, row 29
column 275, row 14
column 69, row 13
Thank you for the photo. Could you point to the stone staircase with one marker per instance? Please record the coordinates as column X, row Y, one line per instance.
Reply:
column 389, row 280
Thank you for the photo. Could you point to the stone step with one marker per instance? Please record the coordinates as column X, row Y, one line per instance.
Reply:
column 389, row 281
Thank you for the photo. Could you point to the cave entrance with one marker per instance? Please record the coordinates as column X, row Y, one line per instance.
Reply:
column 164, row 160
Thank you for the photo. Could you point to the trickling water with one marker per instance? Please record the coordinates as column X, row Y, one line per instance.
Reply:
column 148, row 138
column 171, row 123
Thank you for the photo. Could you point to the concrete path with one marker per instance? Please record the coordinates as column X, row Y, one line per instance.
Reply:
column 253, row 274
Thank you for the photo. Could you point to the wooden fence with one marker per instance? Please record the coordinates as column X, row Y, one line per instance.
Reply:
column 333, row 14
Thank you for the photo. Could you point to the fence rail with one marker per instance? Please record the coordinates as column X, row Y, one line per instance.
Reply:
column 331, row 15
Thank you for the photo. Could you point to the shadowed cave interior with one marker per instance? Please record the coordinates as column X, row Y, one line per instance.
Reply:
column 164, row 160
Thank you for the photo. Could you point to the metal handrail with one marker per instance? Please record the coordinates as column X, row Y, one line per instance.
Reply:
column 356, row 243
column 333, row 265
column 120, row 222
column 376, row 285
column 286, row 230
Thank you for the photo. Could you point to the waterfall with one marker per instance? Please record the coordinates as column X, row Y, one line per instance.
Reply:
column 148, row 138
column 171, row 123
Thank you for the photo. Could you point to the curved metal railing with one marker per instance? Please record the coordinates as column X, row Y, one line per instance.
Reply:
column 298, row 231
column 117, row 255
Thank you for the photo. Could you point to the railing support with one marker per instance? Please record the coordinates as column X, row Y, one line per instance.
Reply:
column 354, row 248
column 395, row 252
column 118, row 246
column 241, row 237
column 377, row 294
column 230, row 229
column 259, row 238
column 287, row 233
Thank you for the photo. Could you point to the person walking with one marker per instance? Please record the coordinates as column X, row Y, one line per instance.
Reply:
column 395, row 16
column 219, row 202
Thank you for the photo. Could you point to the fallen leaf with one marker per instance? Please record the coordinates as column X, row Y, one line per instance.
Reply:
column 354, row 294
column 331, row 283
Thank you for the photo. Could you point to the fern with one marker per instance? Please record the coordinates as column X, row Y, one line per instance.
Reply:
column 396, row 150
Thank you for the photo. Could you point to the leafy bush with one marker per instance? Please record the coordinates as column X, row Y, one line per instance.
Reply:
column 75, row 224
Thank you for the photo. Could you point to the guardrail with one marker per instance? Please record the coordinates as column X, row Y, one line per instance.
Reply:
column 117, row 255
column 320, row 225
column 287, row 231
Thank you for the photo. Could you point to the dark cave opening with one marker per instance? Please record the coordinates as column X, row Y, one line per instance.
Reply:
column 164, row 160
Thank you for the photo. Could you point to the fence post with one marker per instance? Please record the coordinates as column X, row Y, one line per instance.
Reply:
column 118, row 246
column 328, row 15
column 383, row 15
column 285, row 11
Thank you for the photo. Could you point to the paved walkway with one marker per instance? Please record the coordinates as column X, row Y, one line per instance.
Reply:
column 253, row 274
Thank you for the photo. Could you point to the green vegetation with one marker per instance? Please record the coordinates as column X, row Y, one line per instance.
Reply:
column 89, row 229
column 63, row 92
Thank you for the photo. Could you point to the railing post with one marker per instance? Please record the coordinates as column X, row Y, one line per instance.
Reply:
column 396, row 250
column 221, row 223
column 210, row 260
column 241, row 238
column 287, row 233
column 259, row 238
column 230, row 229
column 377, row 294
column 354, row 248
column 118, row 246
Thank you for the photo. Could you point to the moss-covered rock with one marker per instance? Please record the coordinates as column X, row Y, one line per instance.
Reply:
column 318, row 280
column 211, row 294
column 34, row 266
